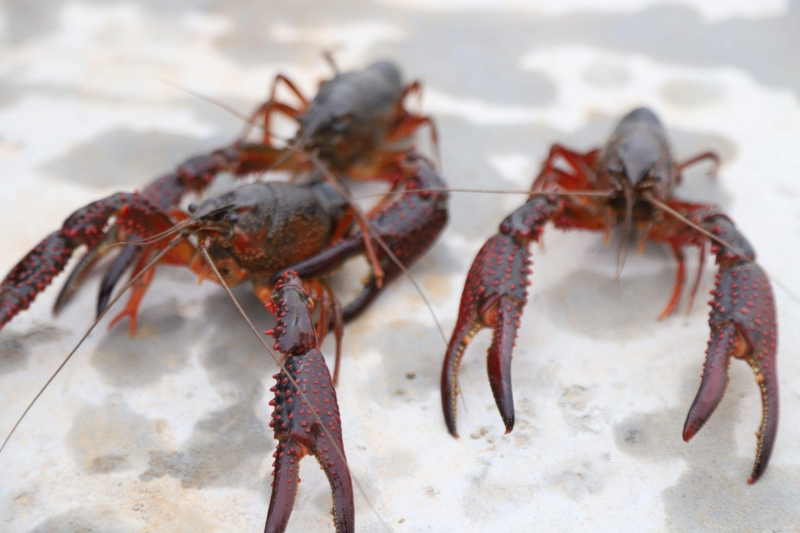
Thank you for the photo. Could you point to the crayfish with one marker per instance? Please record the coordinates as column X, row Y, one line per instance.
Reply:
column 629, row 183
column 258, row 232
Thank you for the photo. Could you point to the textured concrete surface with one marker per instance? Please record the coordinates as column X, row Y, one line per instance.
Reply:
column 168, row 431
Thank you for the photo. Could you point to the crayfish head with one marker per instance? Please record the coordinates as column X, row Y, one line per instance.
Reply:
column 237, row 220
column 329, row 133
column 637, row 159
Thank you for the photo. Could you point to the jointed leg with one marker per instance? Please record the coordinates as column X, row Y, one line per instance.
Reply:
column 582, row 164
column 272, row 105
column 409, row 123
column 408, row 225
column 700, row 267
column 330, row 314
column 137, row 292
column 711, row 156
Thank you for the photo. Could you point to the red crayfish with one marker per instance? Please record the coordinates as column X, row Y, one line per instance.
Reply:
column 630, row 182
column 258, row 232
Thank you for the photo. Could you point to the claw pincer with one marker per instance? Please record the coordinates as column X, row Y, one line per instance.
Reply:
column 494, row 297
column 743, row 325
column 306, row 418
column 84, row 227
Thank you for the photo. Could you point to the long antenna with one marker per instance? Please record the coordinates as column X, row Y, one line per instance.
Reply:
column 605, row 194
column 133, row 280
column 157, row 237
column 222, row 105
column 288, row 374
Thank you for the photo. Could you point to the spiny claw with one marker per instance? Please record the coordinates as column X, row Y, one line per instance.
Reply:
column 494, row 296
column 306, row 416
column 33, row 273
column 743, row 325
column 723, row 341
column 299, row 433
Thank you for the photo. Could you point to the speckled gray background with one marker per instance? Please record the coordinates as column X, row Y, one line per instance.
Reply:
column 168, row 431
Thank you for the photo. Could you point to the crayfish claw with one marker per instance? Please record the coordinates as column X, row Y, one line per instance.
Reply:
column 494, row 296
column 306, row 418
column 84, row 267
column 466, row 328
column 304, row 422
column 129, row 255
column 715, row 380
column 33, row 273
column 506, row 321
column 744, row 326
column 284, row 486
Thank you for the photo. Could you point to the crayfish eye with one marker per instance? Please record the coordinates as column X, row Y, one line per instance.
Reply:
column 341, row 125
column 192, row 208
column 233, row 219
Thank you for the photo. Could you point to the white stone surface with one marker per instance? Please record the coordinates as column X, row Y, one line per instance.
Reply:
column 167, row 432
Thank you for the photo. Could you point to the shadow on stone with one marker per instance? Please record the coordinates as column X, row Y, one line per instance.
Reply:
column 713, row 494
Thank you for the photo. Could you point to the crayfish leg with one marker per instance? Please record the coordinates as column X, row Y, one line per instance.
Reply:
column 138, row 291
